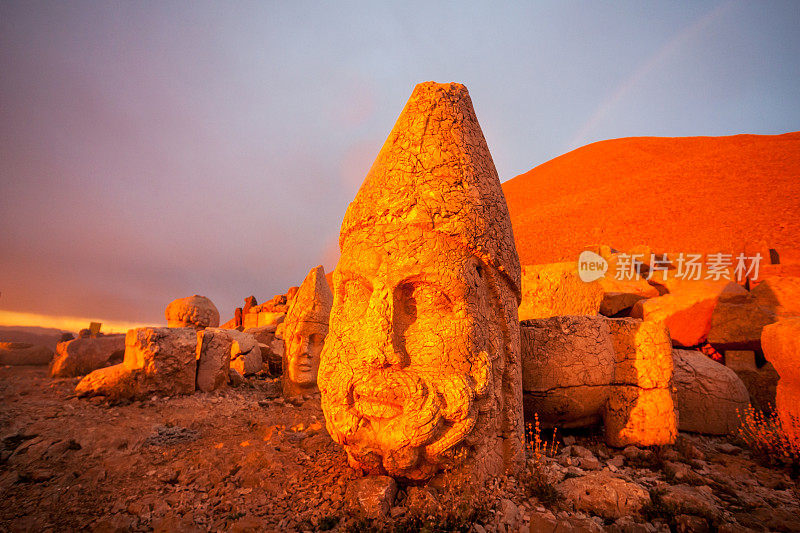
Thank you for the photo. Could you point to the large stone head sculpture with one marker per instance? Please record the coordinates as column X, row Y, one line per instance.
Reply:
column 421, row 368
column 304, row 331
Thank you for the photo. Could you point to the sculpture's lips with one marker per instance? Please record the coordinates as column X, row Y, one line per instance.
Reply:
column 377, row 399
column 305, row 367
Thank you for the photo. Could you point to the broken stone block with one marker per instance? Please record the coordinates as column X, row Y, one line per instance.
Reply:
column 619, row 295
column 740, row 360
column 687, row 311
column 81, row 356
column 557, row 290
column 269, row 318
column 372, row 495
column 245, row 354
column 762, row 384
column 23, row 353
column 567, row 369
column 781, row 343
column 708, row 394
column 213, row 359
column 737, row 322
column 156, row 361
column 192, row 312
column 581, row 370
column 640, row 410
column 780, row 294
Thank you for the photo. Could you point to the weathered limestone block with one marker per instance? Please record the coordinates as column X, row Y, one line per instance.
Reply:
column 421, row 367
column 737, row 322
column 268, row 343
column 640, row 410
column 371, row 495
column 213, row 359
column 81, row 356
column 738, row 360
column 245, row 354
column 687, row 311
column 269, row 318
column 556, row 290
column 581, row 370
column 708, row 394
column 23, row 353
column 781, row 343
column 761, row 383
column 567, row 369
column 156, row 361
column 250, row 320
column 304, row 332
column 780, row 294
column 619, row 295
column 192, row 312
column 263, row 334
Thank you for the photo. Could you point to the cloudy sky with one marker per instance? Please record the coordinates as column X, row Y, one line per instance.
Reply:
column 153, row 150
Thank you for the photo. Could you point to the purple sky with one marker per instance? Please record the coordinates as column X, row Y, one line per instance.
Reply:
column 153, row 150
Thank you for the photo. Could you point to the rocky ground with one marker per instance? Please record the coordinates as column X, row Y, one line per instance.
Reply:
column 245, row 460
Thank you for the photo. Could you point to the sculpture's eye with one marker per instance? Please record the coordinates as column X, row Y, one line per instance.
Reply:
column 432, row 300
column 421, row 299
column 405, row 303
column 356, row 293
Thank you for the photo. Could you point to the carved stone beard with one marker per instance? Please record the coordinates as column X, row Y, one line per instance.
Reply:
column 405, row 423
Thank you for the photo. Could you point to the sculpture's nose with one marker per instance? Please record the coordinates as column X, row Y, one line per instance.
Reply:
column 378, row 349
column 304, row 346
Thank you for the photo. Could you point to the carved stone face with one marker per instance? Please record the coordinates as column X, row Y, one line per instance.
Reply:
column 411, row 360
column 303, row 354
column 421, row 370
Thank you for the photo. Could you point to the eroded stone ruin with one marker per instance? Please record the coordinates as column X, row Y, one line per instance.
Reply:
column 581, row 370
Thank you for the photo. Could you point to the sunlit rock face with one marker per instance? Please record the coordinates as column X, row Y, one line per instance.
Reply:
column 421, row 368
column 192, row 312
column 781, row 342
column 156, row 361
column 304, row 332
column 584, row 370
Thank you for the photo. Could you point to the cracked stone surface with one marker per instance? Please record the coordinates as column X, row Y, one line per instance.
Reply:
column 781, row 342
column 157, row 360
column 556, row 290
column 80, row 356
column 421, row 368
column 192, row 312
column 583, row 370
column 708, row 394
column 304, row 331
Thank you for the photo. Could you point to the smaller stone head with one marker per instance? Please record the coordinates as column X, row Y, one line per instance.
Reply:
column 192, row 312
column 304, row 332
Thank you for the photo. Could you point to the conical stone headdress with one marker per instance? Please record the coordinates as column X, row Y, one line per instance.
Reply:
column 313, row 301
column 435, row 170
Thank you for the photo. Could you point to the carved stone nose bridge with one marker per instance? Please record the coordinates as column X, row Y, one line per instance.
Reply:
column 378, row 331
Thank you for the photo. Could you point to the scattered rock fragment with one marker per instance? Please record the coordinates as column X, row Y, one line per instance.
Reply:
column 372, row 495
column 602, row 494
column 23, row 353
